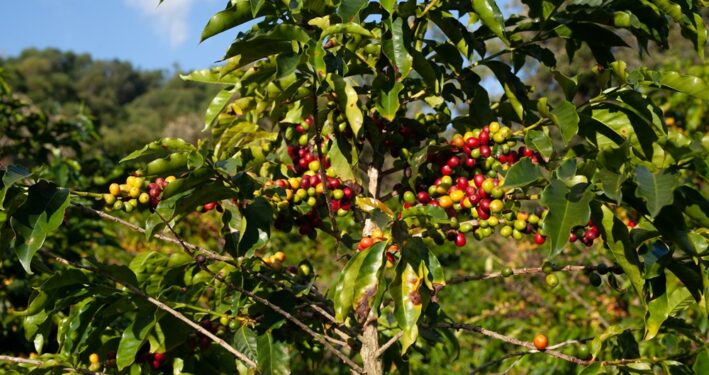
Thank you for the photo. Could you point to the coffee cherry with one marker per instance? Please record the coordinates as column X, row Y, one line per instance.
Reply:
column 520, row 225
column 114, row 189
column 506, row 231
column 445, row 201
column 409, row 197
column 144, row 198
column 552, row 280
column 594, row 279
column 583, row 351
column 460, row 239
column 507, row 271
column 540, row 341
column 314, row 165
column 423, row 197
column 365, row 243
column 94, row 358
column 453, row 162
column 496, row 205
column 110, row 199
column 223, row 320
column 539, row 238
column 446, row 170
column 602, row 269
column 338, row 194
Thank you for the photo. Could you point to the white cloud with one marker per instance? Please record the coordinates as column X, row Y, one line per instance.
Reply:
column 169, row 19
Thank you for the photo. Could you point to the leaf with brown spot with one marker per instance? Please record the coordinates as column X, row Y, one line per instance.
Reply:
column 368, row 278
column 408, row 301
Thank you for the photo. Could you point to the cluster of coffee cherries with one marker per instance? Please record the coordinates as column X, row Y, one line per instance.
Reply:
column 94, row 362
column 156, row 360
column 378, row 235
column 584, row 234
column 275, row 260
column 129, row 195
column 465, row 180
column 304, row 202
column 300, row 131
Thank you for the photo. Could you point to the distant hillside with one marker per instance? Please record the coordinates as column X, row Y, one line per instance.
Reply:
column 129, row 106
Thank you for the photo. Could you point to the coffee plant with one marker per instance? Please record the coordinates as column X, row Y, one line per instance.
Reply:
column 368, row 127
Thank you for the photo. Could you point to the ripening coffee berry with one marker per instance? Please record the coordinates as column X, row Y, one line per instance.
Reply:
column 540, row 341
column 552, row 280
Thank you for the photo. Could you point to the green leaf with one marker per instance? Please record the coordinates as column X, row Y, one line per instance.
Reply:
column 238, row 13
column 340, row 164
column 516, row 105
column 344, row 288
column 245, row 341
column 158, row 149
column 212, row 75
column 217, row 105
column 434, row 214
column 394, row 48
column 568, row 208
column 657, row 189
column 539, row 141
column 491, row 17
column 597, row 343
column 565, row 117
column 256, row 225
column 687, row 84
column 522, row 173
column 366, row 285
column 40, row 214
column 617, row 240
column 701, row 364
column 286, row 63
column 670, row 223
column 388, row 102
column 568, row 84
column 348, row 101
column 346, row 28
column 10, row 176
column 272, row 356
column 408, row 300
column 660, row 308
column 134, row 336
column 349, row 10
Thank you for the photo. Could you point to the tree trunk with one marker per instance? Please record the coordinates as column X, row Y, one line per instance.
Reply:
column 370, row 335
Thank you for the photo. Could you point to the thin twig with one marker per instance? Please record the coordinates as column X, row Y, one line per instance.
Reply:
column 517, row 271
column 512, row 340
column 36, row 362
column 323, row 174
column 160, row 305
column 389, row 343
column 206, row 252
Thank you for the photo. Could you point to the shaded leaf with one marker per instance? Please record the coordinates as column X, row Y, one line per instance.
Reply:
column 39, row 215
column 568, row 208
column 657, row 189
column 272, row 356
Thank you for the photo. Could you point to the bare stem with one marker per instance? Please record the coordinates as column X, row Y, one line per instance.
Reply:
column 517, row 271
column 208, row 253
column 389, row 343
column 512, row 340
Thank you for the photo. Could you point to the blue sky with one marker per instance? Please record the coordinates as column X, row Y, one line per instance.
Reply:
column 139, row 31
